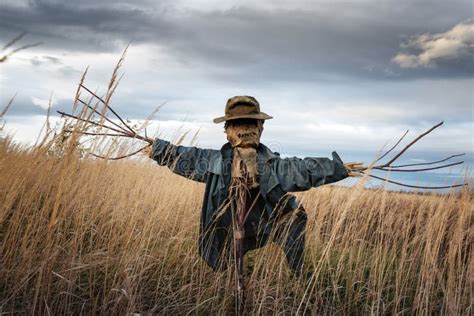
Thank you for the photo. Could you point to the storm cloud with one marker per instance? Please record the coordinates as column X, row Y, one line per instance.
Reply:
column 286, row 42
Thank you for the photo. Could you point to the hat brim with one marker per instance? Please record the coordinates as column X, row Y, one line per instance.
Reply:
column 259, row 116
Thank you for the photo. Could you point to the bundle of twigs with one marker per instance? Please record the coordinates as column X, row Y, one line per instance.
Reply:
column 107, row 127
column 357, row 169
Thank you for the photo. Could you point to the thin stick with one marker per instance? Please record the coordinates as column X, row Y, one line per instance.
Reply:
column 97, row 134
column 88, row 121
column 120, row 157
column 393, row 147
column 428, row 163
column 134, row 135
column 101, row 115
column 416, row 186
column 422, row 169
column 145, row 139
column 108, row 106
column 410, row 144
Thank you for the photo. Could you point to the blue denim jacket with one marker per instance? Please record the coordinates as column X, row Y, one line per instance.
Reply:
column 277, row 177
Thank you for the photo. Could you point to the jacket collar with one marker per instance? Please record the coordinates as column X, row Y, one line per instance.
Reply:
column 222, row 165
column 263, row 152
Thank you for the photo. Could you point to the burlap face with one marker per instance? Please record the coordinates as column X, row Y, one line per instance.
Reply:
column 244, row 133
column 244, row 137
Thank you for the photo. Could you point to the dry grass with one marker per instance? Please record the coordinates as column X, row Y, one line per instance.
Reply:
column 80, row 236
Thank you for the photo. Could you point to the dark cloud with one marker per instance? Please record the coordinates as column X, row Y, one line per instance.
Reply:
column 75, row 27
column 333, row 41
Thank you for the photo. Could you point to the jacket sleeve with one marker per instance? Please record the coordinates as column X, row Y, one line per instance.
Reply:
column 190, row 162
column 296, row 174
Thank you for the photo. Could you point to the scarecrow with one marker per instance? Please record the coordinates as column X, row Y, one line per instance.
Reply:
column 247, row 200
column 247, row 189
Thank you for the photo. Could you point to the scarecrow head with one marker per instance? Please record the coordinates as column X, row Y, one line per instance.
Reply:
column 243, row 121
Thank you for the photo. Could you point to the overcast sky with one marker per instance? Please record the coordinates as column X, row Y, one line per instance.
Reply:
column 336, row 75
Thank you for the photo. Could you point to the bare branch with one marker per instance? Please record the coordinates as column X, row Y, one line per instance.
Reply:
column 120, row 157
column 89, row 121
column 97, row 134
column 417, row 186
column 421, row 169
column 393, row 147
column 108, row 107
column 427, row 163
column 103, row 116
column 410, row 144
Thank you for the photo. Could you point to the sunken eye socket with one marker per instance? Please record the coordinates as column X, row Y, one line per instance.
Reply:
column 241, row 122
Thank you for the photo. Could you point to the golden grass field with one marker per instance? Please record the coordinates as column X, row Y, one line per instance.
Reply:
column 85, row 236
